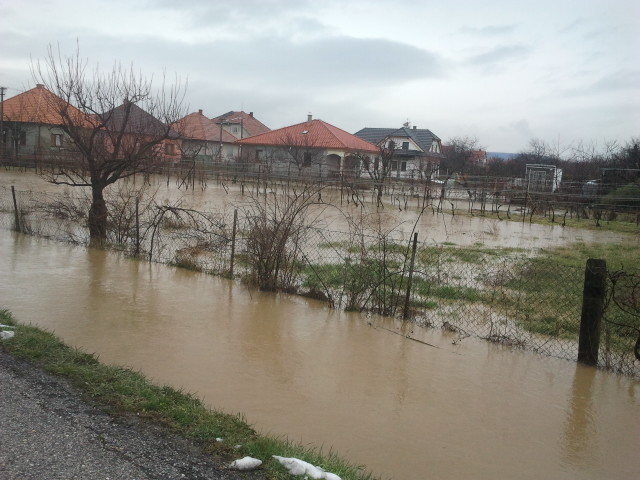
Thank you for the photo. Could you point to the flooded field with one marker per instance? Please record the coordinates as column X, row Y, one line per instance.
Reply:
column 436, row 228
column 331, row 378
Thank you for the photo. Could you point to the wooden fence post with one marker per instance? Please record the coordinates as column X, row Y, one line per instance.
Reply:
column 405, row 312
column 233, row 240
column 16, row 213
column 137, row 225
column 593, row 296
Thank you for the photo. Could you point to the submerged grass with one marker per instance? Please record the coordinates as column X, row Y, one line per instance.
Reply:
column 549, row 289
column 619, row 225
column 122, row 390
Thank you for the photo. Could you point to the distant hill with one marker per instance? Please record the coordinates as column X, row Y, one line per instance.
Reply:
column 501, row 155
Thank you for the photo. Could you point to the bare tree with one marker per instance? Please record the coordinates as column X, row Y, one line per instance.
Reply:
column 301, row 150
column 459, row 154
column 118, row 123
column 379, row 167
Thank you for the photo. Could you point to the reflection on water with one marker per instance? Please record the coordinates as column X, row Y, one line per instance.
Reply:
column 580, row 429
column 297, row 368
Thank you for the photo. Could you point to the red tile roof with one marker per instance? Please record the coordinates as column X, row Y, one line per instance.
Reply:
column 315, row 133
column 251, row 124
column 39, row 105
column 198, row 127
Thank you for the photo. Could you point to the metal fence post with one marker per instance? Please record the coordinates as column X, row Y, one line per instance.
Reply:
column 593, row 296
column 137, row 225
column 233, row 240
column 16, row 214
column 405, row 312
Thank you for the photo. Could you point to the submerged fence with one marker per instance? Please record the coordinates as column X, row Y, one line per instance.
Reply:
column 504, row 295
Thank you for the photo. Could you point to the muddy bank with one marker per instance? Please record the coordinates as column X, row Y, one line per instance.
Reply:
column 48, row 431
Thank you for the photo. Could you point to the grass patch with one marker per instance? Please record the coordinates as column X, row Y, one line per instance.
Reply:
column 546, row 290
column 122, row 390
column 427, row 289
column 475, row 255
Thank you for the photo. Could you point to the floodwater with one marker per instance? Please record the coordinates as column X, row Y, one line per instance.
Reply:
column 335, row 215
column 323, row 377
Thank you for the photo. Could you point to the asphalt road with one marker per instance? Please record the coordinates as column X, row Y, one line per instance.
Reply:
column 47, row 432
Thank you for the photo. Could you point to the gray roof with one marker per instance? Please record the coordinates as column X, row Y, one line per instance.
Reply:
column 421, row 136
column 130, row 118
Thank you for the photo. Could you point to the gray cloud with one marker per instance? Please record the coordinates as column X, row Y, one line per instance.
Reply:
column 211, row 13
column 624, row 79
column 522, row 128
column 574, row 25
column 281, row 63
column 273, row 75
column 489, row 30
column 498, row 54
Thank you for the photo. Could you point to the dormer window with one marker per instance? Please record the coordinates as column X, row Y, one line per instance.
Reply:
column 304, row 132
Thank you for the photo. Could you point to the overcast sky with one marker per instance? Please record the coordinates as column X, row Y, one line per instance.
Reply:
column 503, row 71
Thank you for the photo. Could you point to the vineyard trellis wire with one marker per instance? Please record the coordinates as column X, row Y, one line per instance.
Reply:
column 503, row 295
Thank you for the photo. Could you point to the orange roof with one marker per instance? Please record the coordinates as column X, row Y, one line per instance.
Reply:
column 198, row 127
column 39, row 105
column 251, row 124
column 314, row 133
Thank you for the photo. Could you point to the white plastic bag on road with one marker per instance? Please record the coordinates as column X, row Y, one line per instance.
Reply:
column 295, row 466
column 246, row 463
column 6, row 334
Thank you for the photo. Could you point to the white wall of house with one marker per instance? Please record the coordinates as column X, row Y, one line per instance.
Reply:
column 209, row 152
column 236, row 129
column 30, row 139
column 323, row 162
column 399, row 141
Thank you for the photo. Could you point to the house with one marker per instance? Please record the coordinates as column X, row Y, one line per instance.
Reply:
column 417, row 150
column 204, row 140
column 139, row 126
column 313, row 148
column 33, row 129
column 240, row 124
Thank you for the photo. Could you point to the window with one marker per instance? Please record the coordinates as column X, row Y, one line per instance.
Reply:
column 23, row 138
column 403, row 167
column 169, row 149
column 56, row 139
column 258, row 153
column 394, row 165
column 405, row 145
column 306, row 159
column 235, row 129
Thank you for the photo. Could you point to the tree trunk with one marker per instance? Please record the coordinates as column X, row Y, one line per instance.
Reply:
column 97, row 216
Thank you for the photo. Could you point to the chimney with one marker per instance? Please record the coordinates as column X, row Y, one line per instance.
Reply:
column 200, row 111
column 309, row 117
column 251, row 114
column 415, row 127
column 39, row 85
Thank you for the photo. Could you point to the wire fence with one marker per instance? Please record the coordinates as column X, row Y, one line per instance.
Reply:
column 502, row 295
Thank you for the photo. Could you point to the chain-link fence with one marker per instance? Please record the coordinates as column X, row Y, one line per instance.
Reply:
column 504, row 295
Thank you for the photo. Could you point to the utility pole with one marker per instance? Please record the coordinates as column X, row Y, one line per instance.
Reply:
column 2, row 136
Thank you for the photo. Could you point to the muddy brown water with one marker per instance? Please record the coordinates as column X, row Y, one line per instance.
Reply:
column 433, row 228
column 330, row 378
